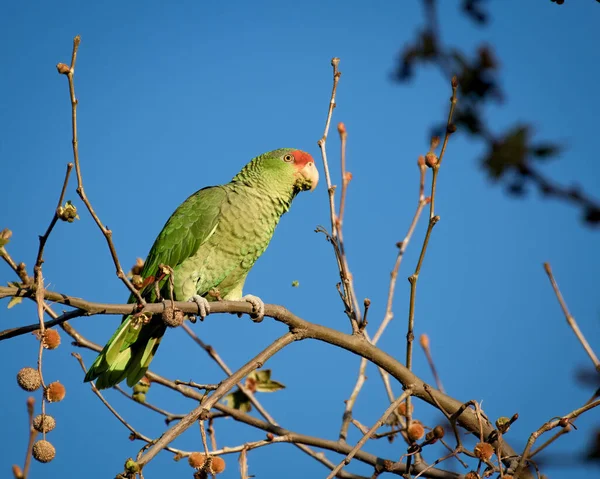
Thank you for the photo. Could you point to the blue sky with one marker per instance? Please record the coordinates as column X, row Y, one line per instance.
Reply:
column 174, row 97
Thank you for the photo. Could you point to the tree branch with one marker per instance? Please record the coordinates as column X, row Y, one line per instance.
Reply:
column 353, row 343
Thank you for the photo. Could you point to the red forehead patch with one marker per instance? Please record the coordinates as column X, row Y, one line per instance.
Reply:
column 302, row 158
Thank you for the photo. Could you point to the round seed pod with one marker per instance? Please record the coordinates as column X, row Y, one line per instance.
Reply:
column 44, row 423
column 55, row 392
column 29, row 379
column 43, row 451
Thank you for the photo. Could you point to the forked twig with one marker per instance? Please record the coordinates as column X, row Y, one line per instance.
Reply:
column 434, row 163
column 391, row 408
column 69, row 71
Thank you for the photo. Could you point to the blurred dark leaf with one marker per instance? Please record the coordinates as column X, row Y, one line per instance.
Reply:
column 516, row 189
column 593, row 453
column 592, row 215
column 545, row 151
column 474, row 10
column 469, row 118
column 510, row 152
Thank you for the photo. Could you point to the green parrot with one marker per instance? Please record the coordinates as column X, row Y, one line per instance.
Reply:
column 210, row 243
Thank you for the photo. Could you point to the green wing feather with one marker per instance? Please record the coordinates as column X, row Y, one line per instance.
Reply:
column 133, row 345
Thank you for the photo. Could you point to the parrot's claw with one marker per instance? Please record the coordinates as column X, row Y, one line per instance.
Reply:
column 203, row 306
column 258, row 307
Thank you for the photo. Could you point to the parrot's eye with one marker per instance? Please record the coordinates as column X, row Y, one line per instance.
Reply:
column 288, row 158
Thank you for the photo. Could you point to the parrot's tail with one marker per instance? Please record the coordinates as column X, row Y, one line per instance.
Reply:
column 128, row 353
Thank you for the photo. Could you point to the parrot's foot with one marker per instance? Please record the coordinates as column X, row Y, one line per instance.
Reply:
column 258, row 307
column 203, row 306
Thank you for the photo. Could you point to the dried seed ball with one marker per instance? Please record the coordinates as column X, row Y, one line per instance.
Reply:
column 44, row 423
column 43, row 451
column 415, row 431
column 51, row 339
column 483, row 451
column 402, row 409
column 217, row 465
column 173, row 317
column 55, row 392
column 196, row 460
column 29, row 379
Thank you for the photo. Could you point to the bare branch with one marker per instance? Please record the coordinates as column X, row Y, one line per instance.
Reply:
column 69, row 71
column 570, row 319
column 209, row 401
column 392, row 407
column 303, row 329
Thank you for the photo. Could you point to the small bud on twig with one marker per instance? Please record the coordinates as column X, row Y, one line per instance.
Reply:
column 63, row 69
column 68, row 212
column 435, row 142
column 17, row 472
column 424, row 341
column 431, row 159
column 5, row 235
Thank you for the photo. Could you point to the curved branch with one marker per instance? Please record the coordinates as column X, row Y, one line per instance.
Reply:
column 353, row 343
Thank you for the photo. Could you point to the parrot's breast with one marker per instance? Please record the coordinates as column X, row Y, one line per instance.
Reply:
column 245, row 226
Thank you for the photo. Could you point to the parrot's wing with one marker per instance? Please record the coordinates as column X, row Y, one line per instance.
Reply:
column 129, row 351
column 189, row 226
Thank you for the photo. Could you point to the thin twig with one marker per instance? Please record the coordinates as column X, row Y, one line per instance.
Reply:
column 135, row 434
column 570, row 319
column 392, row 407
column 304, row 330
column 39, row 282
column 335, row 238
column 561, row 422
column 69, row 71
column 413, row 279
column 237, row 415
column 32, row 435
column 346, row 176
column 424, row 342
column 168, row 416
column 389, row 314
column 212, row 399
column 203, row 435
column 322, row 142
column 249, row 394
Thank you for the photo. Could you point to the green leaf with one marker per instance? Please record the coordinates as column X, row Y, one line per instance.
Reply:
column 295, row 283
column 238, row 400
column 260, row 376
column 269, row 387
column 14, row 301
column 260, row 381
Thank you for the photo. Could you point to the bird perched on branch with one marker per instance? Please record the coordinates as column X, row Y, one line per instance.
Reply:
column 204, row 253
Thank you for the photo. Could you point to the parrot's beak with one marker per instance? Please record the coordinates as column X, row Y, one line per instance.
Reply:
column 310, row 174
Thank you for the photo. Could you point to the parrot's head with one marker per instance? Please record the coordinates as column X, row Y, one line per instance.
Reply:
column 286, row 169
